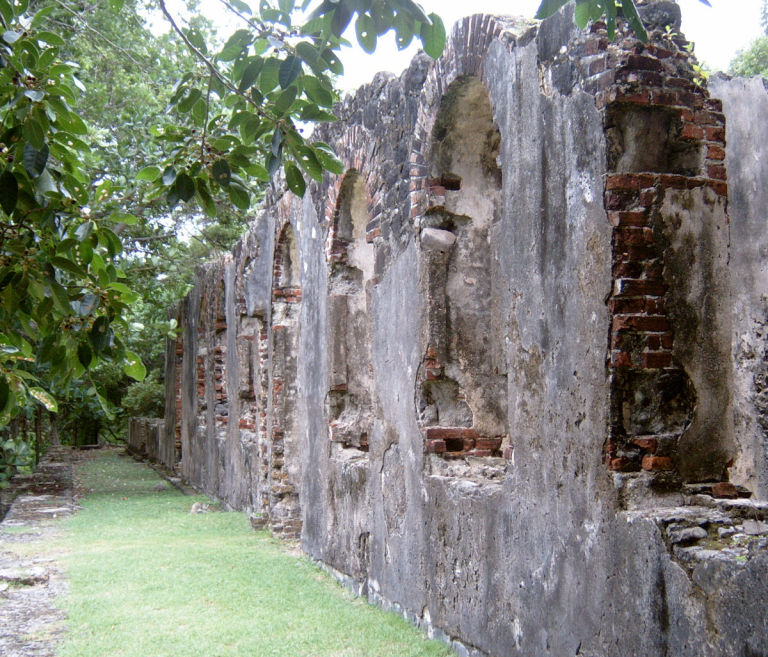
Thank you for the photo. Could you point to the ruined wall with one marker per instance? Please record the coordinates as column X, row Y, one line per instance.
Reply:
column 488, row 374
column 746, row 105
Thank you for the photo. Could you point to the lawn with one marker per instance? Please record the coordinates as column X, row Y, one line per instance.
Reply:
column 150, row 579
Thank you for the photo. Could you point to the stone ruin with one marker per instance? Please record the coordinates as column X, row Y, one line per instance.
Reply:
column 507, row 375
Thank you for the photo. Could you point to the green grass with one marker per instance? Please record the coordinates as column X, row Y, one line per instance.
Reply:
column 149, row 579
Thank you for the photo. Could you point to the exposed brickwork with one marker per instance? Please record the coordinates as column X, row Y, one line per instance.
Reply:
column 657, row 82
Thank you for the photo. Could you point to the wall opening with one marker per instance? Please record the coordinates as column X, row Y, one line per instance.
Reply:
column 351, row 266
column 283, row 444
column 462, row 382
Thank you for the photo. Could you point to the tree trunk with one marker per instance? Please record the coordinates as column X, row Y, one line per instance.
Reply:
column 38, row 433
column 54, row 429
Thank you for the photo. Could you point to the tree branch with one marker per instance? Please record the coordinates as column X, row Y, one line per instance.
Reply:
column 209, row 64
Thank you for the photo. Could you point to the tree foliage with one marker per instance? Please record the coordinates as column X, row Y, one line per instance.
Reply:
column 63, row 296
column 607, row 10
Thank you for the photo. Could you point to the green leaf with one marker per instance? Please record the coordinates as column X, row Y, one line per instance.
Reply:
column 150, row 173
column 68, row 266
column 294, row 179
column 403, row 30
column 334, row 63
column 366, row 33
column 190, row 98
column 134, row 367
column 433, row 36
column 269, row 76
column 284, row 101
column 35, row 159
column 9, row 194
column 328, row 159
column 257, row 171
column 60, row 298
column 33, row 132
column 169, row 176
column 100, row 334
column 204, row 197
column 45, row 398
column 289, row 71
column 84, row 355
column 305, row 156
column 549, row 7
column 316, row 92
column 239, row 196
column 250, row 74
column 630, row 13
column 221, row 172
column 35, row 95
column 341, row 17
column 50, row 38
column 11, row 37
column 5, row 394
column 185, row 187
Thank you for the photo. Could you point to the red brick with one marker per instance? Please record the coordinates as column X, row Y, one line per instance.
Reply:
column 714, row 104
column 597, row 66
column 704, row 117
column 644, row 63
column 450, row 433
column 621, row 359
column 691, row 131
column 647, row 444
column 656, row 360
column 715, row 152
column 480, row 452
column 719, row 187
column 435, row 446
column 633, row 288
column 667, row 97
column 725, row 489
column 657, row 463
column 625, row 306
column 633, row 236
column 619, row 464
column 628, row 218
column 653, row 324
column 714, row 133
column 634, row 97
column 629, row 181
column 488, row 443
column 680, row 83
column 717, row 172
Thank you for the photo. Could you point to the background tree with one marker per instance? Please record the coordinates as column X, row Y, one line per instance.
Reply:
column 754, row 60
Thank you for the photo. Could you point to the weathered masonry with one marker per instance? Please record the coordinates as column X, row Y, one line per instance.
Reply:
column 508, row 373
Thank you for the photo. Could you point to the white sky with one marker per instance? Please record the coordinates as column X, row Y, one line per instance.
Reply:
column 718, row 32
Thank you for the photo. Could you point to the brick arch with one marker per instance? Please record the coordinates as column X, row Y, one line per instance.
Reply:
column 464, row 55
column 350, row 256
column 283, row 447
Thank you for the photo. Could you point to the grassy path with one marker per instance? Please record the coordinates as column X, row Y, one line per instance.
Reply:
column 149, row 579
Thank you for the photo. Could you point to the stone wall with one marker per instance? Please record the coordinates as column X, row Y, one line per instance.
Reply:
column 488, row 374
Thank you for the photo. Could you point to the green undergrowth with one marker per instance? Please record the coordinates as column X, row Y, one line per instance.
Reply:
column 149, row 579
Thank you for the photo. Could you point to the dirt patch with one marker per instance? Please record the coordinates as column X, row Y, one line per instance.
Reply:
column 30, row 576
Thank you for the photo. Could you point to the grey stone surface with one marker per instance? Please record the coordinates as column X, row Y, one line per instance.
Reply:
column 745, row 102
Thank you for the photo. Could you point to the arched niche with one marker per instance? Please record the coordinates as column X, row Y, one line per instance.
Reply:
column 351, row 266
column 461, row 398
column 284, row 444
